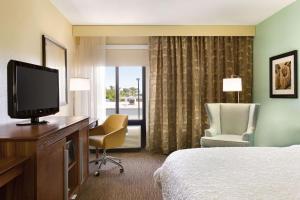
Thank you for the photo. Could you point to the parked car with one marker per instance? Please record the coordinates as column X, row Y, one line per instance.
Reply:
column 131, row 100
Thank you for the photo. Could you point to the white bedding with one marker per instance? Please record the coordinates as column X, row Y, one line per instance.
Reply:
column 263, row 173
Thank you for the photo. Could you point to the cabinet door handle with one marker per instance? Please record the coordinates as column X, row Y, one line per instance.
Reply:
column 66, row 178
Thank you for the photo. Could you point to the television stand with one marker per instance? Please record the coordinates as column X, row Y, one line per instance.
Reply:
column 33, row 121
column 47, row 174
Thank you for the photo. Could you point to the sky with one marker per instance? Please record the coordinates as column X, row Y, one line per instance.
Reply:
column 128, row 76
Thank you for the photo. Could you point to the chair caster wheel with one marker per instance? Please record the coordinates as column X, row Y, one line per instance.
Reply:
column 96, row 173
column 121, row 171
column 120, row 161
column 96, row 163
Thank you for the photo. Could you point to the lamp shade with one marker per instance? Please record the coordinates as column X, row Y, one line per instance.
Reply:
column 232, row 84
column 79, row 84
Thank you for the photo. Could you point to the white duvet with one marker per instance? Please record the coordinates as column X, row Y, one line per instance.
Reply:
column 262, row 173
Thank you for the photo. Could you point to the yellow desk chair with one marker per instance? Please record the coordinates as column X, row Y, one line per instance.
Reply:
column 110, row 134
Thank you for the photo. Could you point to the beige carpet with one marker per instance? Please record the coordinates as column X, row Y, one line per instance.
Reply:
column 136, row 183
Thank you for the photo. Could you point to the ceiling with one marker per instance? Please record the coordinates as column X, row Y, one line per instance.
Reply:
column 168, row 12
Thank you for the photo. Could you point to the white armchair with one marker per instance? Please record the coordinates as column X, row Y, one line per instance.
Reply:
column 230, row 125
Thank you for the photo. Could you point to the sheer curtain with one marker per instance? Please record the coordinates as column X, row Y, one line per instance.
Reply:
column 186, row 73
column 90, row 63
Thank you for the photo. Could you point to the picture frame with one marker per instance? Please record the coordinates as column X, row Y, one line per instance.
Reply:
column 55, row 56
column 283, row 75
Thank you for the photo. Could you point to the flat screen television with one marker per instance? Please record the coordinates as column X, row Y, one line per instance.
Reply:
column 32, row 91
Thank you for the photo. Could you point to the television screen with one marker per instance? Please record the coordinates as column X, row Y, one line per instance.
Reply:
column 36, row 89
column 32, row 90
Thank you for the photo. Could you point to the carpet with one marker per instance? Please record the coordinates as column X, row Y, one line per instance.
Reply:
column 136, row 183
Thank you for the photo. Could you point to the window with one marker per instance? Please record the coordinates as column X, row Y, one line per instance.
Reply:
column 125, row 94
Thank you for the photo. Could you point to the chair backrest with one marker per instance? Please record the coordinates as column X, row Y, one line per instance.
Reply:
column 231, row 118
column 115, row 122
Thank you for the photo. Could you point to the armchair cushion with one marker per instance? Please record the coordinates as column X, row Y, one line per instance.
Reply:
column 96, row 140
column 229, row 140
column 234, row 118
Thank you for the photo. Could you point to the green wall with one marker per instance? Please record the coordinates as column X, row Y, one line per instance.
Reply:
column 279, row 119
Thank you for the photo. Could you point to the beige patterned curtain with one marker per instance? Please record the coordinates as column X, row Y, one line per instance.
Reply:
column 186, row 73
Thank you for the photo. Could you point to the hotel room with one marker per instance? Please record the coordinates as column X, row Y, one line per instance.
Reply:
column 158, row 100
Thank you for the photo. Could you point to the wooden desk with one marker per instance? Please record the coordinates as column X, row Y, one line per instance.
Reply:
column 44, row 145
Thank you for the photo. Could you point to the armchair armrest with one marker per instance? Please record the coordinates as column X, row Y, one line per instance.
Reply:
column 115, row 138
column 99, row 130
column 210, row 132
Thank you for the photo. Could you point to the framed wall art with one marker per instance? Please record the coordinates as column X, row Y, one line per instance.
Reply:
column 55, row 56
column 283, row 75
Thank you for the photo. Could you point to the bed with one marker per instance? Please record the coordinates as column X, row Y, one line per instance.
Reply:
column 264, row 173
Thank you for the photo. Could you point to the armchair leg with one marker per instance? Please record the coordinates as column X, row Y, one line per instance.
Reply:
column 115, row 159
column 97, row 172
column 101, row 162
column 97, row 155
column 104, row 159
column 96, row 161
column 116, row 163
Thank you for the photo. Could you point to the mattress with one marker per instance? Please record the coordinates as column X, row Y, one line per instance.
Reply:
column 264, row 173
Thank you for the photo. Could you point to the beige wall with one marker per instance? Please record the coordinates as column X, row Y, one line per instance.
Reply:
column 22, row 24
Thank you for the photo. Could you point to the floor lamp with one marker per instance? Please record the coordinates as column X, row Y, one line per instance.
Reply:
column 79, row 84
column 233, row 84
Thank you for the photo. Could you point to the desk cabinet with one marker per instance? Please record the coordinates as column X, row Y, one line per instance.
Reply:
column 44, row 145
